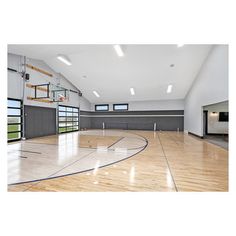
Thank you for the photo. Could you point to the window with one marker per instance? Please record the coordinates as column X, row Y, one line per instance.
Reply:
column 103, row 107
column 68, row 119
column 14, row 119
column 120, row 107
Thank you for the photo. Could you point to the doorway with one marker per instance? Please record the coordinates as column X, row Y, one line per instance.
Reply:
column 205, row 123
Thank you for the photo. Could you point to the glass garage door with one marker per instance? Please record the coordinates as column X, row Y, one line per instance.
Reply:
column 68, row 119
column 14, row 119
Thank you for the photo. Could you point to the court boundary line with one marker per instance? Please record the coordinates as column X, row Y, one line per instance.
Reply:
column 167, row 162
column 28, row 151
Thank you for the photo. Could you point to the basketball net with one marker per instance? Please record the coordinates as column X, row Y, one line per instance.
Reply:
column 61, row 98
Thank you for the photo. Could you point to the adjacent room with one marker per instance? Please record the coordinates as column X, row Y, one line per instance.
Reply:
column 215, row 124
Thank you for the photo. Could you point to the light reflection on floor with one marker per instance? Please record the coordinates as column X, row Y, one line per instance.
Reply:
column 70, row 153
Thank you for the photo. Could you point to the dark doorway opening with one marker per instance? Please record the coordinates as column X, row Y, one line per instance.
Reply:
column 205, row 123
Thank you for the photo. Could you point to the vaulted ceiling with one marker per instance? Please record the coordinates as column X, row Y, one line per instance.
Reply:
column 149, row 69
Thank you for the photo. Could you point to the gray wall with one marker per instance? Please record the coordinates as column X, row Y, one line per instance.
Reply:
column 165, row 120
column 40, row 121
column 85, row 120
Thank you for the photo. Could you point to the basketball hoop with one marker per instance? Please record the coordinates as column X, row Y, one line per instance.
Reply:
column 58, row 93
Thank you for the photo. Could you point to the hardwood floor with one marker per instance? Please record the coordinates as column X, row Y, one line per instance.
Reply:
column 172, row 161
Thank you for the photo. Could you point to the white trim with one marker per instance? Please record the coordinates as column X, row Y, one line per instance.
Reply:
column 132, row 115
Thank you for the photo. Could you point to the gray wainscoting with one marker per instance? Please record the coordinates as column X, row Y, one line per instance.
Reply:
column 85, row 120
column 134, row 120
column 39, row 121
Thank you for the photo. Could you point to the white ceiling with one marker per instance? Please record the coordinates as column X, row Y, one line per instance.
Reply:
column 146, row 68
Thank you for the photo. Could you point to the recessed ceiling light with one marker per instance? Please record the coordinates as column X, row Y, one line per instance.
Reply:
column 119, row 50
column 132, row 91
column 172, row 65
column 96, row 94
column 64, row 59
column 169, row 89
column 84, row 77
column 180, row 45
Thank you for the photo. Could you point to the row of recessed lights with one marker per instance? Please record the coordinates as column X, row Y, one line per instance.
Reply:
column 67, row 61
column 117, row 47
column 169, row 90
column 97, row 94
column 120, row 53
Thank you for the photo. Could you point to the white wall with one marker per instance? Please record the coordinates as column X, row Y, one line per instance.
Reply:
column 214, row 126
column 15, row 83
column 151, row 105
column 85, row 105
column 210, row 86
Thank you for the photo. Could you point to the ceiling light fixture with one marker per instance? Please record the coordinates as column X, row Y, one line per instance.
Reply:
column 169, row 89
column 119, row 50
column 64, row 59
column 132, row 91
column 96, row 94
column 180, row 45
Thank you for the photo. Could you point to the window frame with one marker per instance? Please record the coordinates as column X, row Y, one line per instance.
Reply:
column 19, row 116
column 72, row 122
column 119, row 104
column 98, row 105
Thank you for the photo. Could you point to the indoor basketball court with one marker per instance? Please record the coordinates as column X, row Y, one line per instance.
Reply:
column 118, row 117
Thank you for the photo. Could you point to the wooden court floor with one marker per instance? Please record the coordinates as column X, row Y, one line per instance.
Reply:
column 172, row 161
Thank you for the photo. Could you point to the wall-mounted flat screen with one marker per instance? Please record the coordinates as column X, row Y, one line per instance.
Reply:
column 223, row 116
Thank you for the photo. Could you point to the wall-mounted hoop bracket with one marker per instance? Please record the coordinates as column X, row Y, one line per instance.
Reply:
column 41, row 91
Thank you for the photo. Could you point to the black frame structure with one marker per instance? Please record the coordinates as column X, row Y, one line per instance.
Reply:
column 41, row 85
column 17, row 116
column 126, row 104
column 99, row 105
column 73, row 119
